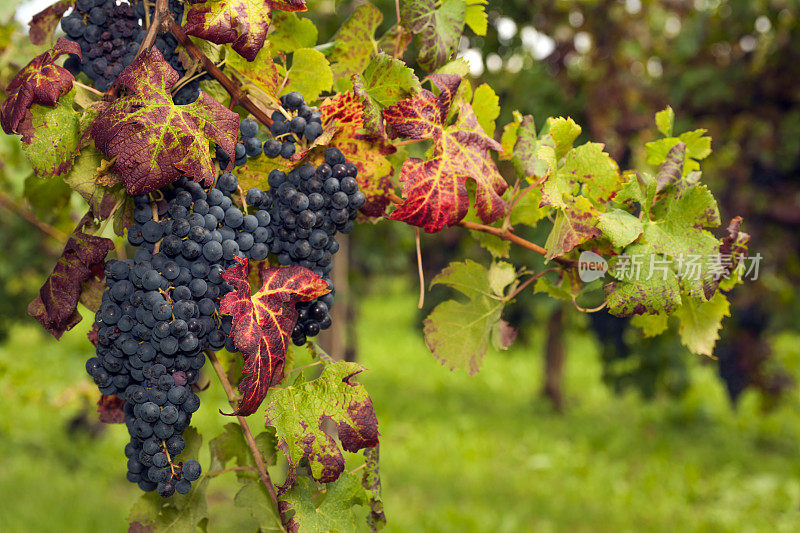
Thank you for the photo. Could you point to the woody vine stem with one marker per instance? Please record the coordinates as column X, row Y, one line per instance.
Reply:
column 263, row 473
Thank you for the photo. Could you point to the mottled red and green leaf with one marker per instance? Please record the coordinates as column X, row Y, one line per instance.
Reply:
column 154, row 141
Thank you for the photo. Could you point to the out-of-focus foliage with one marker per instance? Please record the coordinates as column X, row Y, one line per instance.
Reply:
column 729, row 66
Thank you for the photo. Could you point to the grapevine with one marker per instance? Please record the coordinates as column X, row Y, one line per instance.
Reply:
column 226, row 156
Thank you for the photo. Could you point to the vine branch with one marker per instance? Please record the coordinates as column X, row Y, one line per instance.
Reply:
column 263, row 473
column 505, row 234
column 214, row 71
column 160, row 13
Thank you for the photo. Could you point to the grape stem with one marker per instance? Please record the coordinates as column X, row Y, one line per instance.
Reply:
column 263, row 473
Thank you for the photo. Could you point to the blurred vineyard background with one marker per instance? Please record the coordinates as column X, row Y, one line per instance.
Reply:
column 583, row 425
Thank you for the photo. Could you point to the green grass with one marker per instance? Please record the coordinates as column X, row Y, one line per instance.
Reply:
column 458, row 453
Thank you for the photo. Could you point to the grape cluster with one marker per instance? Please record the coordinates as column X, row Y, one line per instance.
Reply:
column 302, row 122
column 110, row 34
column 159, row 313
column 160, row 310
column 309, row 207
column 296, row 122
column 106, row 33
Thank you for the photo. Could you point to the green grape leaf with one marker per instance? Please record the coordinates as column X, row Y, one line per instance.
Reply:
column 310, row 74
column 101, row 199
column 153, row 141
column 590, row 166
column 231, row 445
column 354, row 45
column 698, row 147
column 510, row 135
column 297, row 411
column 678, row 234
column 528, row 210
column 563, row 131
column 458, row 332
column 532, row 157
column 367, row 151
column 438, row 27
column 700, row 323
column 576, row 223
column 545, row 286
column 651, row 325
column 40, row 82
column 332, row 510
column 241, row 22
column 435, row 189
column 620, row 227
column 492, row 244
column 665, row 120
column 371, row 481
column 385, row 82
column 54, row 138
column 475, row 16
column 259, row 76
column 56, row 306
column 698, row 144
column 44, row 23
column 486, row 105
column 254, row 498
column 646, row 283
column 181, row 513
column 291, row 32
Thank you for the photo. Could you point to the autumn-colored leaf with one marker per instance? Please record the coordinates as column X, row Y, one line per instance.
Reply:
column 263, row 322
column 241, row 22
column 40, row 82
column 438, row 26
column 298, row 411
column 109, row 408
column 155, row 141
column 53, row 139
column 385, row 81
column 83, row 258
column 44, row 23
column 435, row 189
column 366, row 151
column 354, row 44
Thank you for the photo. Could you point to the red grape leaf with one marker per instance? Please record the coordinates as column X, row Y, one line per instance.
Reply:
column 366, row 151
column 83, row 258
column 40, row 82
column 44, row 23
column 435, row 189
column 263, row 323
column 241, row 22
column 109, row 407
column 155, row 141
